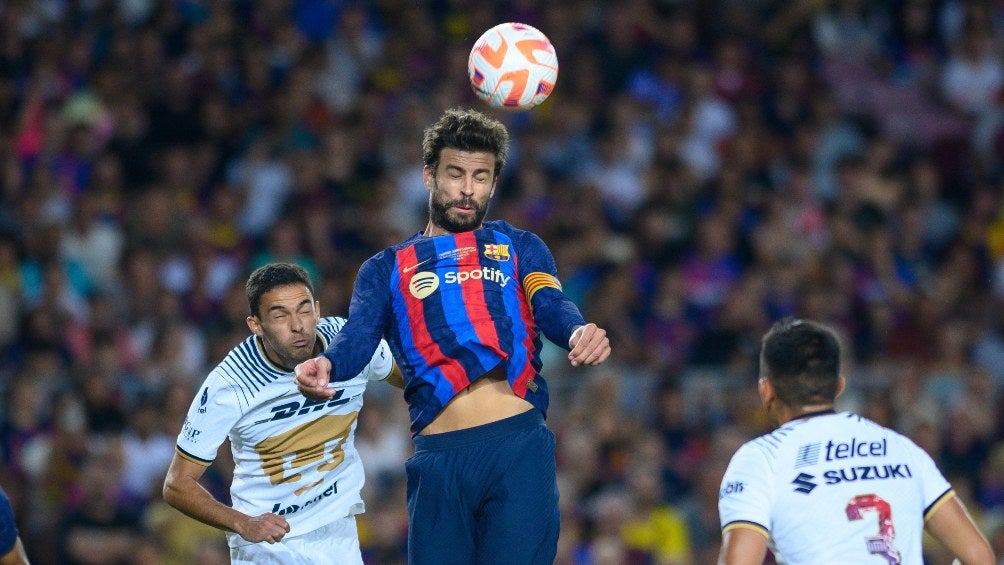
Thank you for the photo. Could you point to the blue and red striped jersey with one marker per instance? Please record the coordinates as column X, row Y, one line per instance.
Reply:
column 453, row 307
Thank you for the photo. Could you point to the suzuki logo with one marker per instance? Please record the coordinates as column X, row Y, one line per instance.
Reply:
column 804, row 482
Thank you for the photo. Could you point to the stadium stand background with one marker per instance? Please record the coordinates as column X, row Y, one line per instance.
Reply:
column 702, row 169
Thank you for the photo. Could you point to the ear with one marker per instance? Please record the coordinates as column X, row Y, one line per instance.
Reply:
column 767, row 392
column 317, row 309
column 428, row 177
column 255, row 325
column 841, row 383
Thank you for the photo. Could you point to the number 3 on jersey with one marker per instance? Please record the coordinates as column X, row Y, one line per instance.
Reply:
column 882, row 543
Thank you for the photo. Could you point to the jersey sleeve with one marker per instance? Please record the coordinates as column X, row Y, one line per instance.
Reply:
column 745, row 496
column 553, row 312
column 213, row 413
column 380, row 364
column 8, row 527
column 935, row 488
column 354, row 346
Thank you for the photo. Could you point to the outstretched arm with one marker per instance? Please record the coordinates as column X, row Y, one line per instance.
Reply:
column 183, row 491
column 951, row 524
column 353, row 347
column 312, row 378
column 554, row 313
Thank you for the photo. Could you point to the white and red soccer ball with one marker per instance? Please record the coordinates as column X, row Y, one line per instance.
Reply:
column 513, row 66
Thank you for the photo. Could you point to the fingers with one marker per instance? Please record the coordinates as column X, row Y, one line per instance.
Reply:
column 590, row 346
column 268, row 527
column 312, row 377
column 316, row 393
column 280, row 527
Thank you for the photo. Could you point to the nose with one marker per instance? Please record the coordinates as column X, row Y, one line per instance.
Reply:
column 468, row 187
column 297, row 324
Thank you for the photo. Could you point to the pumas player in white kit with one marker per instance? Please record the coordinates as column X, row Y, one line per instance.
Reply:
column 829, row 487
column 297, row 474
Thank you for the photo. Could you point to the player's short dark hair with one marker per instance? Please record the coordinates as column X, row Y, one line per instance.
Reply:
column 466, row 130
column 267, row 277
column 801, row 358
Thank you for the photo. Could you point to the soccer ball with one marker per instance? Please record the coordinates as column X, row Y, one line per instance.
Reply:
column 513, row 66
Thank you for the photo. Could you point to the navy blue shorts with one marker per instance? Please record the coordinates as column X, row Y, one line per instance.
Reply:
column 483, row 495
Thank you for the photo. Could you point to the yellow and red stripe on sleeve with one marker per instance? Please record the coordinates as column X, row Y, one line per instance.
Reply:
column 536, row 281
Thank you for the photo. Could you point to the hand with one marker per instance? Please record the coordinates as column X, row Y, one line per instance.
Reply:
column 312, row 378
column 267, row 527
column 590, row 345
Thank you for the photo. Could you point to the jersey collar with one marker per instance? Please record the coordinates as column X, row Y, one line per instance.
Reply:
column 815, row 413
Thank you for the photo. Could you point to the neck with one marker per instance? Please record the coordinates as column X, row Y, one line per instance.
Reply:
column 432, row 230
column 270, row 355
column 274, row 359
column 788, row 413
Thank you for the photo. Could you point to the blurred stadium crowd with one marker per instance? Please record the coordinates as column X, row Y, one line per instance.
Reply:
column 702, row 169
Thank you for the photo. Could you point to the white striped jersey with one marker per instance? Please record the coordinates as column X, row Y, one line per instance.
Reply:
column 833, row 488
column 293, row 456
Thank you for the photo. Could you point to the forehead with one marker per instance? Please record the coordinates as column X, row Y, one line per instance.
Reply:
column 467, row 160
column 285, row 296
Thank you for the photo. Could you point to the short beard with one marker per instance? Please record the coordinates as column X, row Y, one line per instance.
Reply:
column 440, row 217
column 286, row 358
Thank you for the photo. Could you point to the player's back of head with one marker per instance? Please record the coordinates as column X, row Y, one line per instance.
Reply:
column 801, row 358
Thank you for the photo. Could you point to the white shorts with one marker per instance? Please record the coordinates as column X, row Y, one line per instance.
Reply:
column 336, row 543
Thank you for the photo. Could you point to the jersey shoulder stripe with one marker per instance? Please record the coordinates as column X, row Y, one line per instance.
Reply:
column 772, row 442
column 249, row 375
column 769, row 443
column 246, row 368
column 329, row 327
column 234, row 383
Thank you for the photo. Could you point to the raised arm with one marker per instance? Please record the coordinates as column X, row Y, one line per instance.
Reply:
column 353, row 346
column 554, row 313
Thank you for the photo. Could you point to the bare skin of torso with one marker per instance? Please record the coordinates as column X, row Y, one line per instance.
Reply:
column 488, row 399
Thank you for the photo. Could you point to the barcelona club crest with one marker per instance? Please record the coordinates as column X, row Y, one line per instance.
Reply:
column 497, row 251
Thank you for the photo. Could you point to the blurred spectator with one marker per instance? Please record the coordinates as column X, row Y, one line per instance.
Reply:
column 147, row 452
column 973, row 77
column 655, row 527
column 100, row 524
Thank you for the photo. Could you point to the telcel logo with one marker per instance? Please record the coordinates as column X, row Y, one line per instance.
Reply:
column 484, row 273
